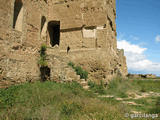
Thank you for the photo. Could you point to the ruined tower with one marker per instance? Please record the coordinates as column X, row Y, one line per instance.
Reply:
column 87, row 27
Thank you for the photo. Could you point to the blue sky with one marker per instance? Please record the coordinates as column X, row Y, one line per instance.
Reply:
column 138, row 33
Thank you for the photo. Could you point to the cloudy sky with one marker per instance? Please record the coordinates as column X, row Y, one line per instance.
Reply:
column 138, row 28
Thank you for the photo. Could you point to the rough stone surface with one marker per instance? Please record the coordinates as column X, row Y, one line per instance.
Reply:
column 87, row 27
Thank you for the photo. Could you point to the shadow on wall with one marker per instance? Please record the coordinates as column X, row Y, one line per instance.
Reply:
column 43, row 20
column 18, row 15
column 45, row 73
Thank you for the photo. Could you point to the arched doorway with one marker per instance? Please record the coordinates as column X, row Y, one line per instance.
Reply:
column 18, row 15
column 54, row 32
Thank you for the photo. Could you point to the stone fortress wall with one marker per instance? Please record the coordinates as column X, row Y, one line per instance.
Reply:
column 87, row 27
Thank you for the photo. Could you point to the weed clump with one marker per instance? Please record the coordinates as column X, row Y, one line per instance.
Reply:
column 79, row 71
column 42, row 61
column 44, row 69
column 71, row 64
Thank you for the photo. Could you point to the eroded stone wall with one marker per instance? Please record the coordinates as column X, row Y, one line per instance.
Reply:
column 86, row 26
column 19, row 47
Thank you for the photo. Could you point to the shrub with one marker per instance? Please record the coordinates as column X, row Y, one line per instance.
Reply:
column 91, row 84
column 83, row 74
column 71, row 64
column 79, row 71
column 44, row 69
column 42, row 61
column 43, row 49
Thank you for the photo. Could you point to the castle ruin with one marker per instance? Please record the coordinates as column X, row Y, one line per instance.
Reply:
column 86, row 27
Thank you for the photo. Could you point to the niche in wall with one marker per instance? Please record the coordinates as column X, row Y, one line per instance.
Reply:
column 18, row 15
column 89, row 32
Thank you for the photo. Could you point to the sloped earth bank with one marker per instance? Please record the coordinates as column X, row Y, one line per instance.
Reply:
column 55, row 101
column 69, row 101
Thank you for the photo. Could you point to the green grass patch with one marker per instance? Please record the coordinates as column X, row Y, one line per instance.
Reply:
column 97, row 88
column 79, row 71
column 156, row 108
column 50, row 101
column 147, row 85
column 69, row 101
column 117, row 87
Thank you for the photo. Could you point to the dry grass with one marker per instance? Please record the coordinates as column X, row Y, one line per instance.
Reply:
column 54, row 101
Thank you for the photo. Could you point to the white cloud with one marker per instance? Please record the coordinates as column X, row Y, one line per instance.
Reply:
column 136, row 59
column 128, row 47
column 157, row 38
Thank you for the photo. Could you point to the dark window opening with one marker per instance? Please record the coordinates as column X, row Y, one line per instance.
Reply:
column 43, row 20
column 54, row 32
column 17, row 8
